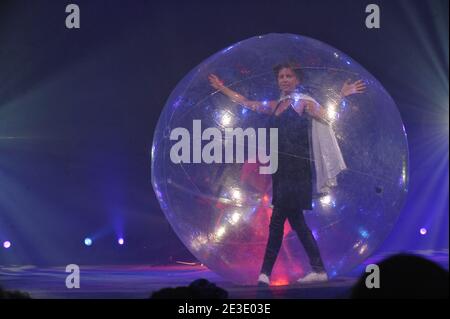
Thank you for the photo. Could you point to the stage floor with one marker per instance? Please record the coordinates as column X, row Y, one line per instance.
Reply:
column 139, row 281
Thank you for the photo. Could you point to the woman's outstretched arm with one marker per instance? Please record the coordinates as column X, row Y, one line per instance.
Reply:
column 318, row 111
column 257, row 106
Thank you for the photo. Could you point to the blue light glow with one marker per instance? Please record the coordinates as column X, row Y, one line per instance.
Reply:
column 88, row 241
column 364, row 233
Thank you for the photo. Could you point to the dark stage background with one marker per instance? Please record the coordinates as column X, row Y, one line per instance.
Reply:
column 78, row 109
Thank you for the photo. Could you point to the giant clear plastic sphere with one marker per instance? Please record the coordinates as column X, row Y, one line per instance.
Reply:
column 221, row 211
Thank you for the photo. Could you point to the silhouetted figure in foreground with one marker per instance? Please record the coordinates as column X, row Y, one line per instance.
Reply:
column 198, row 289
column 406, row 276
column 5, row 294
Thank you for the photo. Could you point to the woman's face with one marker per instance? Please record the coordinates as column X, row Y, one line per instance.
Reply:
column 287, row 80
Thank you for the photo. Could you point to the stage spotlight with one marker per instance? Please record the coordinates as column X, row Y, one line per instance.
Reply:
column 6, row 244
column 120, row 241
column 88, row 241
column 423, row 231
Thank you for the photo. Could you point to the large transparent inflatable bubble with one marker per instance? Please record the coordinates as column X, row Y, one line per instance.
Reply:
column 221, row 210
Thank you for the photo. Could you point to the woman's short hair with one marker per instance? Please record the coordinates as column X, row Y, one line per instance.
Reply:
column 294, row 66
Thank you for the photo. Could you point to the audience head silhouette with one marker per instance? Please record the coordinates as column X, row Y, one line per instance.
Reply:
column 406, row 276
column 198, row 289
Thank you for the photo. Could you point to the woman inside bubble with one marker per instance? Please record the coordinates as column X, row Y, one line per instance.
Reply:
column 292, row 185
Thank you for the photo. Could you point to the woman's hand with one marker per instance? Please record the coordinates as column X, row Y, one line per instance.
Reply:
column 349, row 88
column 216, row 82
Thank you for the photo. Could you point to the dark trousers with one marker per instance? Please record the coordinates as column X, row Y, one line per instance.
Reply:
column 298, row 224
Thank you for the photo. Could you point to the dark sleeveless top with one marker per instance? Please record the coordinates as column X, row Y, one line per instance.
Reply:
column 292, row 182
